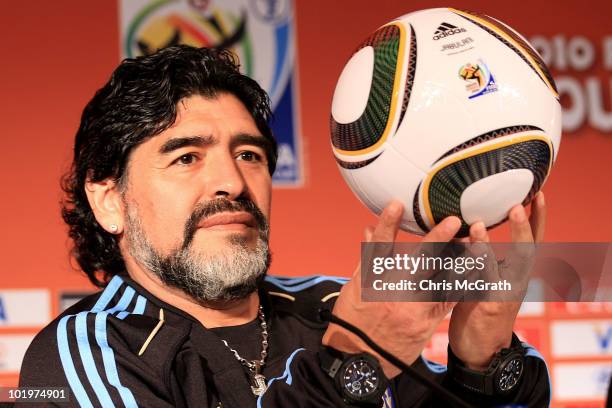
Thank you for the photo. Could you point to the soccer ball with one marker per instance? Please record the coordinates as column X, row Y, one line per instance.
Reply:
column 449, row 111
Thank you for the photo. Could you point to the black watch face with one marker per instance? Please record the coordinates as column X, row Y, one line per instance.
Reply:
column 360, row 379
column 510, row 374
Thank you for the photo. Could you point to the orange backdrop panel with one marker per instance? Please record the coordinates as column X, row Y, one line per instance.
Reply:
column 56, row 54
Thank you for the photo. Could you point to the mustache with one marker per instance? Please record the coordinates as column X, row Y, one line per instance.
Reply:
column 220, row 205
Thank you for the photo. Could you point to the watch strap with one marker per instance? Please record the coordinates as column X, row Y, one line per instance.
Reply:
column 479, row 381
column 331, row 360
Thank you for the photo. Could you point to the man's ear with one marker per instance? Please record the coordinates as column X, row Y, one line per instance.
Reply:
column 105, row 200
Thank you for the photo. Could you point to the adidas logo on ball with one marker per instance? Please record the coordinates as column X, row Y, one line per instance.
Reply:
column 446, row 30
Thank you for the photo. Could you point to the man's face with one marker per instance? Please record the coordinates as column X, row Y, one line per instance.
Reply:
column 198, row 199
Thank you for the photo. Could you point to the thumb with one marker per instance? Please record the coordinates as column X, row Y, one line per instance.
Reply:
column 367, row 234
column 369, row 231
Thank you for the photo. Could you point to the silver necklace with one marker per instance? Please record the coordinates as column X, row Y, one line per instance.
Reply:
column 258, row 381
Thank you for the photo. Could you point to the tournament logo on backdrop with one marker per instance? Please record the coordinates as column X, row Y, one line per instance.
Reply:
column 259, row 32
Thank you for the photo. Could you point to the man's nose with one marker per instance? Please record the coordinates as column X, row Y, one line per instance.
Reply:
column 223, row 177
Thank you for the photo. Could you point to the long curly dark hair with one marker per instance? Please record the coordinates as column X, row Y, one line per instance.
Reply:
column 138, row 102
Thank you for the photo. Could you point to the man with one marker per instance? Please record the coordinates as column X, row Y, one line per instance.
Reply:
column 168, row 202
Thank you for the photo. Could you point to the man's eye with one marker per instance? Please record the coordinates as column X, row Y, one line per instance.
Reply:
column 249, row 156
column 186, row 159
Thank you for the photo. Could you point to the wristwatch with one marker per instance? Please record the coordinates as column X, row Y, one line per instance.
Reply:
column 502, row 376
column 358, row 377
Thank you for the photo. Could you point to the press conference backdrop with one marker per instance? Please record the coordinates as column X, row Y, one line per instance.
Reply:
column 56, row 54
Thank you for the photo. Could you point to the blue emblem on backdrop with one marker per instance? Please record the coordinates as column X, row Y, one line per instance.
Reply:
column 260, row 32
column 2, row 312
column 604, row 337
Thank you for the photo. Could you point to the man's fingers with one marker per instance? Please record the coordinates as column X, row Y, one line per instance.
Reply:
column 519, row 225
column 369, row 231
column 388, row 223
column 444, row 231
column 520, row 259
column 478, row 233
column 479, row 239
column 537, row 219
column 384, row 232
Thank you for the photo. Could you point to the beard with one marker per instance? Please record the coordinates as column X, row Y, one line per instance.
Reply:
column 232, row 273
